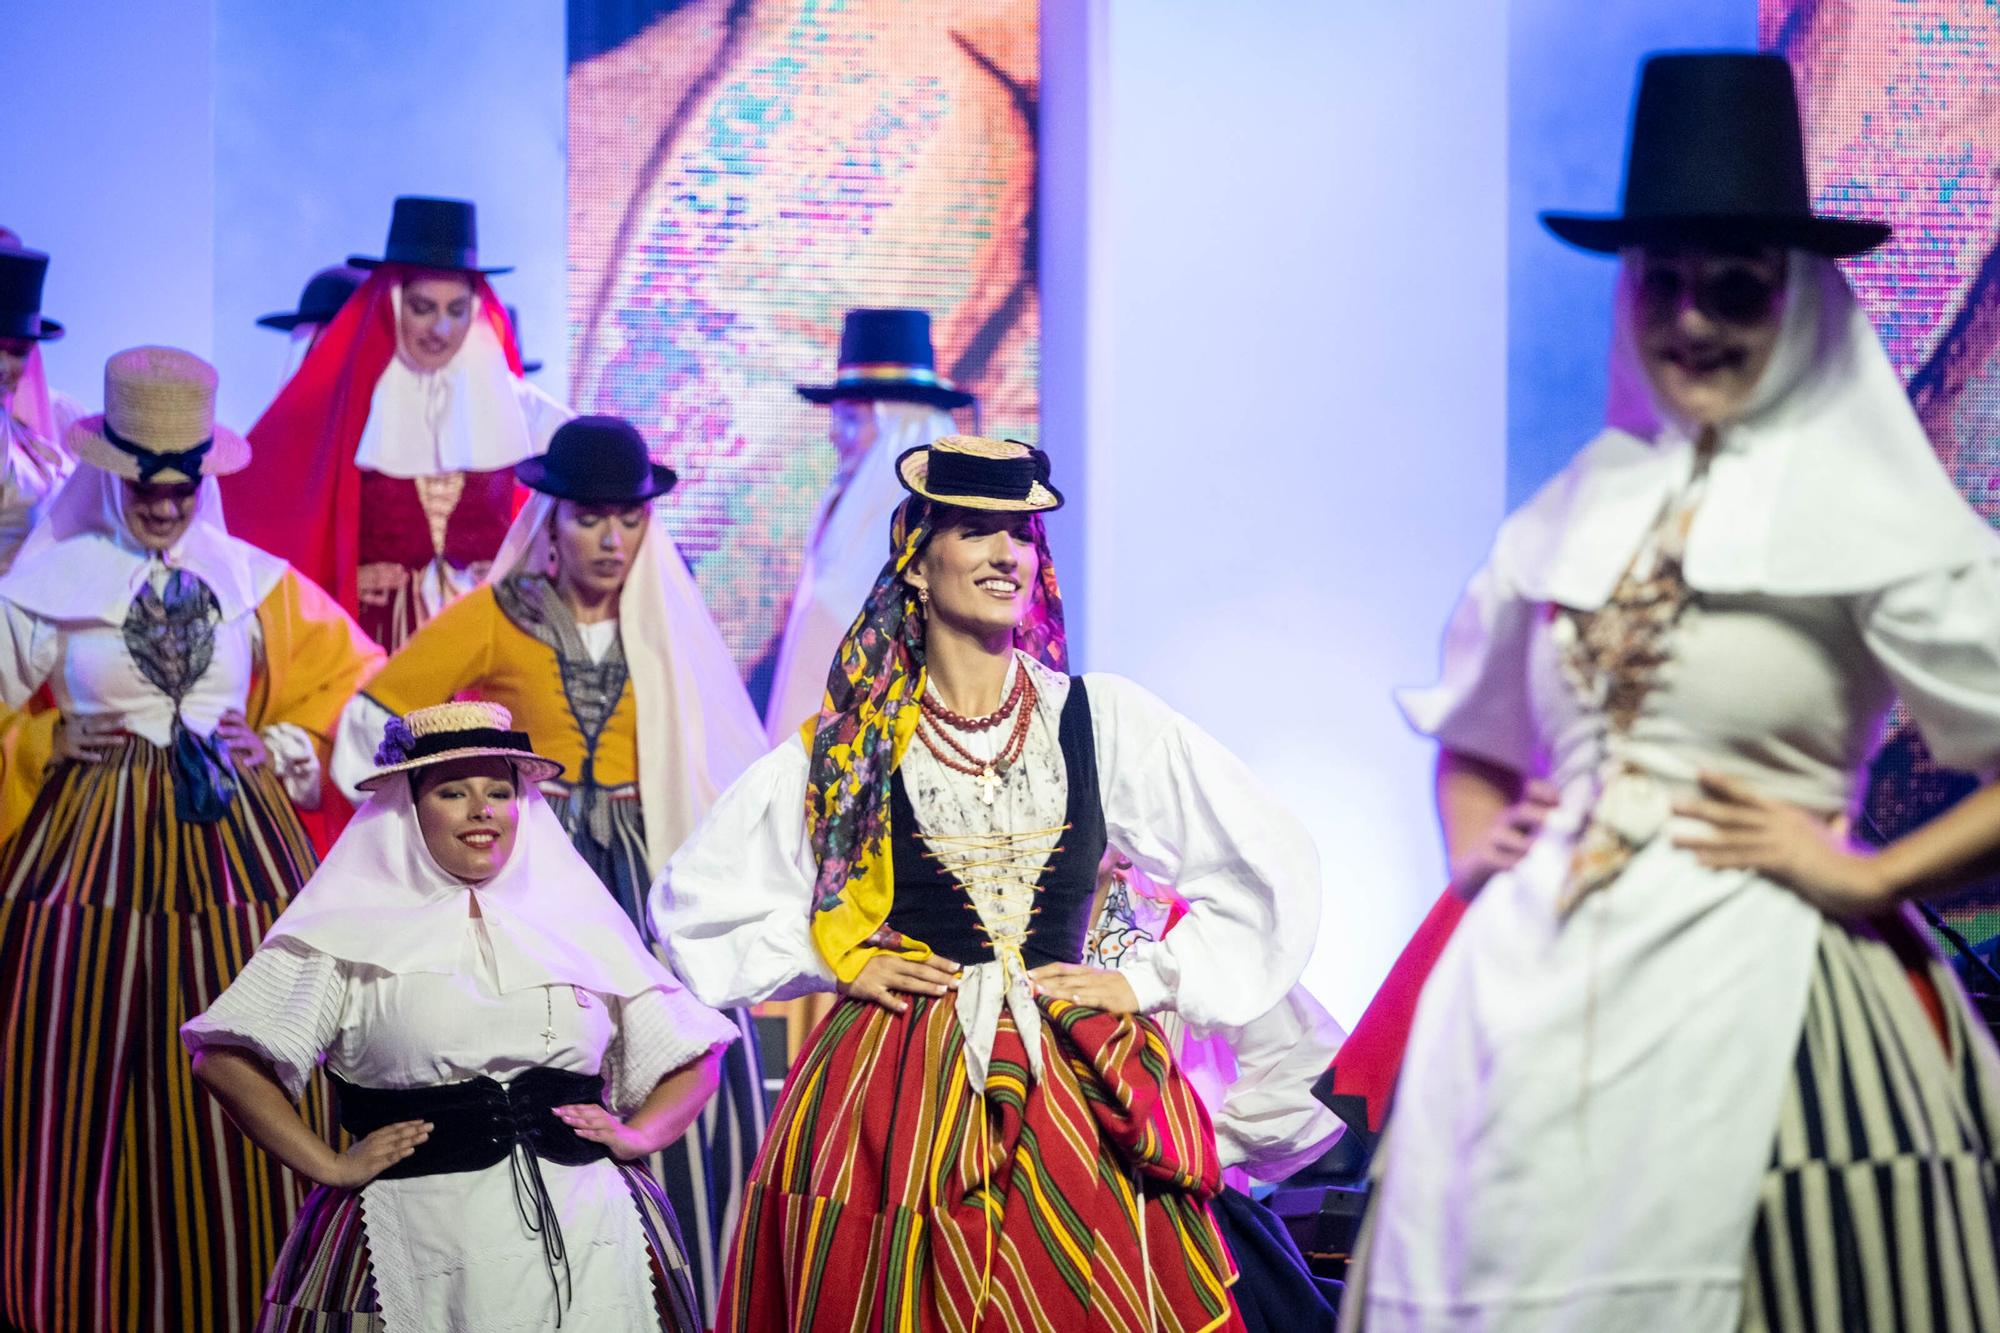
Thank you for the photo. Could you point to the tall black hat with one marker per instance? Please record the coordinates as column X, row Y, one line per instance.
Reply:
column 597, row 460
column 21, row 274
column 325, row 293
column 887, row 354
column 431, row 233
column 1717, row 158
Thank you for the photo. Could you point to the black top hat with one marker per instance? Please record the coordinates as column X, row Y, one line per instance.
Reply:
column 887, row 354
column 596, row 460
column 431, row 233
column 21, row 274
column 1717, row 158
column 325, row 293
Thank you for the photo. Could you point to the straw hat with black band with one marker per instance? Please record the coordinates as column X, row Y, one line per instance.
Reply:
column 973, row 472
column 464, row 729
column 158, row 423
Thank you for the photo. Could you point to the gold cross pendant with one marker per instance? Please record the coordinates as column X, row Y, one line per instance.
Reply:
column 989, row 785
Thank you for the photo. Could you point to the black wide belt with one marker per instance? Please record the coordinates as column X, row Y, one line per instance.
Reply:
column 479, row 1123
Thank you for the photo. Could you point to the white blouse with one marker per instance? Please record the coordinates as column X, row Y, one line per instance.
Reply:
column 1255, row 1078
column 735, row 903
column 452, row 1251
column 1559, row 1070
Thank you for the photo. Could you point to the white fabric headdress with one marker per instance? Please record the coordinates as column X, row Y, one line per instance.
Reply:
column 82, row 563
column 845, row 548
column 1827, row 486
column 381, row 899
column 465, row 417
column 697, row 730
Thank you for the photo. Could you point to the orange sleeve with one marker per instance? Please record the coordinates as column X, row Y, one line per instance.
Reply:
column 451, row 653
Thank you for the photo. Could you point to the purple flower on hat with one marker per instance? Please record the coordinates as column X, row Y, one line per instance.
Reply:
column 397, row 738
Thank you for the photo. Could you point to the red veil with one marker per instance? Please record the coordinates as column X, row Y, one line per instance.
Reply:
column 300, row 498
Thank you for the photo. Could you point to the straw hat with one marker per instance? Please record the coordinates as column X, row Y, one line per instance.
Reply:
column 973, row 472
column 464, row 730
column 158, row 422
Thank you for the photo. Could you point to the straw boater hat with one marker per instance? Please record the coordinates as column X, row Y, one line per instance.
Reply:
column 467, row 729
column 973, row 472
column 158, row 422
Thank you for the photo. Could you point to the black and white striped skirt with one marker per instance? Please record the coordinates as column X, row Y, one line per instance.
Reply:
column 1881, row 1206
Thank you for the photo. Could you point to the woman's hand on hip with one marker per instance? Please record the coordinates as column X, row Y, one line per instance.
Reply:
column 375, row 1154
column 1512, row 834
column 1787, row 843
column 85, row 738
column 886, row 978
column 600, row 1126
column 245, row 746
column 1102, row 988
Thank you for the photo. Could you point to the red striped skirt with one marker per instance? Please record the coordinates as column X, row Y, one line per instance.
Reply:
column 890, row 1196
column 127, row 1200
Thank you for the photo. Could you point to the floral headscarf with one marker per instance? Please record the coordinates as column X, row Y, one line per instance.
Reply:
column 864, row 728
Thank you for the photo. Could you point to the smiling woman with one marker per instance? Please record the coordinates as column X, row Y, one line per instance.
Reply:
column 591, row 632
column 931, row 853
column 505, row 1048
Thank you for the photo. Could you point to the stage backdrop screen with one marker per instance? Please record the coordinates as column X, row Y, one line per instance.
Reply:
column 1903, row 116
column 743, row 171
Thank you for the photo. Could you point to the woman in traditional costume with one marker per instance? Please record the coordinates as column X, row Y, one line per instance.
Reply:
column 984, row 1129
column 1686, row 1062
column 174, row 691
column 384, row 469
column 504, row 1047
column 591, row 632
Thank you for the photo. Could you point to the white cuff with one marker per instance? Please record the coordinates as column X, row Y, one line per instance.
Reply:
column 296, row 761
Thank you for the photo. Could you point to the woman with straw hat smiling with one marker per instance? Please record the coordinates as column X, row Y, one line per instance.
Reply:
column 505, row 1048
column 984, row 1130
column 592, row 633
column 173, row 691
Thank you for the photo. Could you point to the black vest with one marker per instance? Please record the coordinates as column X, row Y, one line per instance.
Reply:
column 931, row 906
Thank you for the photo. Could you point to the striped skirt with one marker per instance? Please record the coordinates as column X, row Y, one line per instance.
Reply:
column 891, row 1196
column 705, row 1170
column 324, row 1281
column 1881, row 1207
column 127, row 1201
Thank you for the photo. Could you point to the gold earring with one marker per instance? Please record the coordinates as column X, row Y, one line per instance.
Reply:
column 924, row 596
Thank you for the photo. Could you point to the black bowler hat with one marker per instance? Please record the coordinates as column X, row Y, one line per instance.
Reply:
column 431, row 233
column 21, row 274
column 1717, row 158
column 887, row 354
column 596, row 461
column 325, row 293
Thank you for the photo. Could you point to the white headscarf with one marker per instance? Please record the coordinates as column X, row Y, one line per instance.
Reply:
column 845, row 548
column 381, row 899
column 465, row 417
column 82, row 562
column 1827, row 486
column 697, row 730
